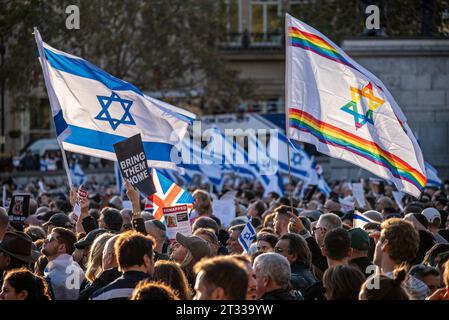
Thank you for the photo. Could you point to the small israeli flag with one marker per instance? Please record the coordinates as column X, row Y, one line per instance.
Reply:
column 360, row 220
column 247, row 236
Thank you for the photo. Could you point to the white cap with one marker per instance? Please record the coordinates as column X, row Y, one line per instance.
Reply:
column 431, row 214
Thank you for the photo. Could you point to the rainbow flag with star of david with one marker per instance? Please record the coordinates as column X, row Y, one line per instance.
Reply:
column 344, row 110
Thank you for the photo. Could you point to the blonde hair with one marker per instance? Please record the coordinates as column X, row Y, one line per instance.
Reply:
column 94, row 263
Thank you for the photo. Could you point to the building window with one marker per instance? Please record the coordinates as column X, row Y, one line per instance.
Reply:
column 233, row 21
column 266, row 24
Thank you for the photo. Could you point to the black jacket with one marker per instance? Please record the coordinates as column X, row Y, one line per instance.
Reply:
column 105, row 278
column 318, row 260
column 279, row 294
column 363, row 263
column 301, row 277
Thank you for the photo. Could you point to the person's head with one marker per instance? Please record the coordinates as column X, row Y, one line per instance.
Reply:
column 337, row 247
column 57, row 220
column 211, row 238
column 221, row 278
column 272, row 273
column 398, row 244
column 268, row 221
column 342, row 282
column 127, row 215
column 256, row 209
column 295, row 249
column 446, row 274
column 4, row 222
column 35, row 233
column 15, row 251
column 325, row 223
column 383, row 202
column 94, row 262
column 205, row 222
column 148, row 290
column 60, row 241
column 203, row 203
column 252, row 285
column 171, row 274
column 22, row 284
column 195, row 248
column 360, row 242
column 109, row 260
column 432, row 254
column 233, row 244
column 331, row 205
column 282, row 219
column 158, row 231
column 134, row 252
column 433, row 217
column 266, row 242
column 110, row 219
column 381, row 287
column 429, row 275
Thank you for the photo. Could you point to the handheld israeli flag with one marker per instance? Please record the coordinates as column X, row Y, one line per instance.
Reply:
column 77, row 173
column 247, row 236
column 360, row 220
column 100, row 110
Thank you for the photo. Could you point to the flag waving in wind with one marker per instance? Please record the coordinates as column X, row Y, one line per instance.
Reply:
column 168, row 194
column 345, row 111
column 97, row 110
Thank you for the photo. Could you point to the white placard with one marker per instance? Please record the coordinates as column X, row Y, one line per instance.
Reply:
column 357, row 192
column 224, row 210
column 177, row 220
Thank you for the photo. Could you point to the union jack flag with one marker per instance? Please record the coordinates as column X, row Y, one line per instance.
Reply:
column 168, row 194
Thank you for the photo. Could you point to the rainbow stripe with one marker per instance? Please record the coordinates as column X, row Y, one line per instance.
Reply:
column 316, row 44
column 369, row 150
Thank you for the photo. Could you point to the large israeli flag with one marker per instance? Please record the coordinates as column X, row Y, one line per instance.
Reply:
column 100, row 110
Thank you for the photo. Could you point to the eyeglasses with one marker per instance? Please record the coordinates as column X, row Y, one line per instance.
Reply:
column 51, row 239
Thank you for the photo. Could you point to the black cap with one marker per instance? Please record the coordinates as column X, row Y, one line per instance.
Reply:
column 89, row 238
column 59, row 220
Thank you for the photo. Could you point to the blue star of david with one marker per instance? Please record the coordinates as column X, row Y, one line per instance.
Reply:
column 247, row 236
column 104, row 114
column 296, row 159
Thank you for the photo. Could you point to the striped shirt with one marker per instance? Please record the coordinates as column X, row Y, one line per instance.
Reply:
column 121, row 288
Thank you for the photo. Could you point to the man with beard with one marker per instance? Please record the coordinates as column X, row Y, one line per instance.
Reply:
column 63, row 274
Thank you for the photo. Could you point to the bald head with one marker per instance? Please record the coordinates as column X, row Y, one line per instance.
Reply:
column 109, row 260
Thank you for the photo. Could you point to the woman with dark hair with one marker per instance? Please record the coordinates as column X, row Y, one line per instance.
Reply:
column 171, row 274
column 21, row 284
column 380, row 287
column 343, row 282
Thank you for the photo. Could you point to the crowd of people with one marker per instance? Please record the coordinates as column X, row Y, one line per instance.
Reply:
column 303, row 250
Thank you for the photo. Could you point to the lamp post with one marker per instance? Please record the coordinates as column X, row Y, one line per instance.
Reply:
column 2, row 95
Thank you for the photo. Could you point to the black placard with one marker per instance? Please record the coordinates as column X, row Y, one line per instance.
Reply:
column 19, row 208
column 133, row 165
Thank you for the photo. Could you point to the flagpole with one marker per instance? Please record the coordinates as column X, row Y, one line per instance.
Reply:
column 290, row 176
column 65, row 163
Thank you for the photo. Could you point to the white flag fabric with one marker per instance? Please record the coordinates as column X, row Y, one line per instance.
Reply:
column 360, row 220
column 432, row 176
column 100, row 110
column 345, row 111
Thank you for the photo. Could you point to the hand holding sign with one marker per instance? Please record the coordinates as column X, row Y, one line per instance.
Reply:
column 133, row 164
